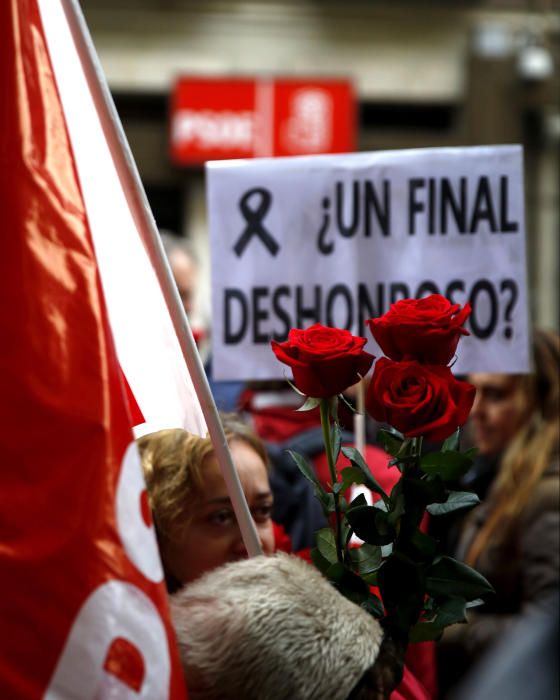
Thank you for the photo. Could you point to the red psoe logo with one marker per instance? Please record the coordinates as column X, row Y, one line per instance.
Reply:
column 215, row 118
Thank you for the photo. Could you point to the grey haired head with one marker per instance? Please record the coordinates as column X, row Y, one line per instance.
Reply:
column 271, row 628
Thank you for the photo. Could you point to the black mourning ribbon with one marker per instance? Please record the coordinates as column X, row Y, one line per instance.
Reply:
column 254, row 216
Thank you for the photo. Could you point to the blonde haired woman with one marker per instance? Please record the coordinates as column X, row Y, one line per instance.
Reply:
column 195, row 523
column 513, row 537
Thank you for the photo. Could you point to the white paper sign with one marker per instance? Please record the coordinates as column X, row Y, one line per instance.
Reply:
column 337, row 239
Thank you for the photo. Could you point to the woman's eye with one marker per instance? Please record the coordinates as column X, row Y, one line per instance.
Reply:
column 263, row 512
column 495, row 395
column 221, row 517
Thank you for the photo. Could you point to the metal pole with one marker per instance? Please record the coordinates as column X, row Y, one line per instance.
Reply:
column 146, row 226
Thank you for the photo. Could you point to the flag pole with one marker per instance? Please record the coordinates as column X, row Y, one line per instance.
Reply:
column 146, row 226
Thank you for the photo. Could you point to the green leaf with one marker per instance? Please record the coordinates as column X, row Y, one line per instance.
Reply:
column 371, row 524
column 386, row 550
column 346, row 531
column 358, row 461
column 350, row 585
column 326, row 499
column 448, row 465
column 456, row 500
column 366, row 558
column 319, row 561
column 370, row 579
column 450, row 611
column 352, row 475
column 336, row 441
column 424, row 490
column 452, row 442
column 396, row 508
column 448, row 577
column 309, row 404
column 336, row 572
column 325, row 542
column 425, row 545
column 402, row 584
column 360, row 500
column 425, row 632
column 305, row 468
column 391, row 442
column 374, row 606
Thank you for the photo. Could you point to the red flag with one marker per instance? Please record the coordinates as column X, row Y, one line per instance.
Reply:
column 120, row 223
column 83, row 609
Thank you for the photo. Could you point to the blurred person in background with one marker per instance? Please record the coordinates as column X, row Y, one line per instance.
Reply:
column 184, row 267
column 513, row 536
column 193, row 516
column 185, row 270
column 523, row 665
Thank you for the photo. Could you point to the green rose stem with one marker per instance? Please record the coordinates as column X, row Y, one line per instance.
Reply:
column 402, row 617
column 325, row 425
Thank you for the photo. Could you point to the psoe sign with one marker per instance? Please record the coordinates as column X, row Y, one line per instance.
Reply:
column 219, row 118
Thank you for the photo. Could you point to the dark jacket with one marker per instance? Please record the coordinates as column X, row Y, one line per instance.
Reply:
column 523, row 566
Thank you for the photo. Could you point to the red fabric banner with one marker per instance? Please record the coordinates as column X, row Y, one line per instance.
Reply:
column 83, row 610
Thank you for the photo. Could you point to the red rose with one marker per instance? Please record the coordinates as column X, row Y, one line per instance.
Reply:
column 426, row 330
column 418, row 399
column 324, row 361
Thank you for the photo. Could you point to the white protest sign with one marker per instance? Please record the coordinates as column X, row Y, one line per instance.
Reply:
column 337, row 239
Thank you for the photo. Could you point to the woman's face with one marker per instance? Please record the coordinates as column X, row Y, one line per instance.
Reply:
column 212, row 537
column 497, row 413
